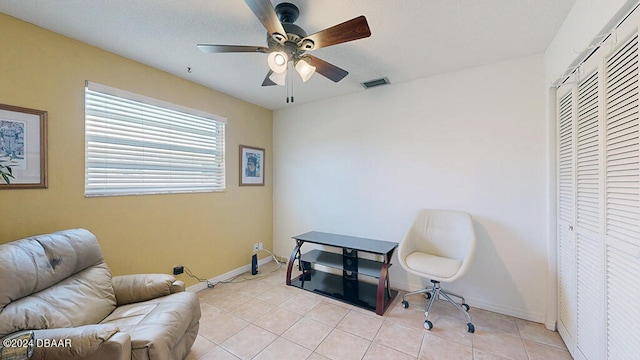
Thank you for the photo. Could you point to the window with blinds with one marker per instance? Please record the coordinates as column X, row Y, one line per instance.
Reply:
column 136, row 145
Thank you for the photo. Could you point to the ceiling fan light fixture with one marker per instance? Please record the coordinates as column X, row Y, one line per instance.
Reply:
column 277, row 61
column 278, row 78
column 305, row 69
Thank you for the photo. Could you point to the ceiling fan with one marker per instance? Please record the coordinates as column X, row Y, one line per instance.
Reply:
column 288, row 43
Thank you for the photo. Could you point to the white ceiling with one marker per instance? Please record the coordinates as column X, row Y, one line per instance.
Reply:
column 410, row 39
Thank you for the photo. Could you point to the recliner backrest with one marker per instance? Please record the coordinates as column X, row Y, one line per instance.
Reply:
column 53, row 280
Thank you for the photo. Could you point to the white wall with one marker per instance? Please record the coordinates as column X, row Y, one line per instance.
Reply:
column 474, row 140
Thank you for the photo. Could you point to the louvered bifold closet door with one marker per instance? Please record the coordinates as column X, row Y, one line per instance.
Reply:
column 598, row 155
column 622, row 201
column 566, row 217
column 589, row 244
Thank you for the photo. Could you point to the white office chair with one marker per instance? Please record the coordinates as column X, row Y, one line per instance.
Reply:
column 440, row 246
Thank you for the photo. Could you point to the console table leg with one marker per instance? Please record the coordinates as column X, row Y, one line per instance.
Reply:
column 382, row 285
column 295, row 253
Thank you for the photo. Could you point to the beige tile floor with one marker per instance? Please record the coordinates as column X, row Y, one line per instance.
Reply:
column 262, row 318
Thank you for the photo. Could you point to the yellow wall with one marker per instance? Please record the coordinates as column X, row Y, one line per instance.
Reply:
column 211, row 233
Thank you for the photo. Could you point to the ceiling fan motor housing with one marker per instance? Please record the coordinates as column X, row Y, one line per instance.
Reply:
column 287, row 12
column 292, row 44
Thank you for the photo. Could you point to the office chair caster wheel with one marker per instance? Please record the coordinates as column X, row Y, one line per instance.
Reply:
column 471, row 328
column 427, row 295
column 405, row 304
column 465, row 306
column 429, row 325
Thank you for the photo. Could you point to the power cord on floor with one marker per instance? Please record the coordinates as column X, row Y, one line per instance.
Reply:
column 234, row 280
column 209, row 284
column 274, row 257
column 243, row 278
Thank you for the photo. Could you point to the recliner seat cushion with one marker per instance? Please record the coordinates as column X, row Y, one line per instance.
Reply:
column 431, row 264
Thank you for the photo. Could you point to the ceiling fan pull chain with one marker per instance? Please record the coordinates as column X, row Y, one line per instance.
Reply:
column 289, row 82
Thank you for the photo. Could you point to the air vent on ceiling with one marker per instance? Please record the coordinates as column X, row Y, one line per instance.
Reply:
column 376, row 82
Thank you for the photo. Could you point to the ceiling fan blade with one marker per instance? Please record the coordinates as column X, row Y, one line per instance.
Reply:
column 326, row 69
column 267, row 81
column 267, row 15
column 209, row 48
column 354, row 29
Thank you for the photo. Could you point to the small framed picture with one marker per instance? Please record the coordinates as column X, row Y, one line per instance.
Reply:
column 251, row 166
column 23, row 148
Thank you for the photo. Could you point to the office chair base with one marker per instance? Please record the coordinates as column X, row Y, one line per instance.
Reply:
column 432, row 293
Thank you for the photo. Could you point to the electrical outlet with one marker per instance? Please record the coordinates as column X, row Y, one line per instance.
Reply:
column 256, row 247
column 177, row 270
column 260, row 246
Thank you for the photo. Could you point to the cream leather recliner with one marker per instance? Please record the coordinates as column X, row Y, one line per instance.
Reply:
column 59, row 286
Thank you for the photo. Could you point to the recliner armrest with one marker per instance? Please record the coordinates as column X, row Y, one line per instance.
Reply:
column 177, row 286
column 141, row 287
column 91, row 342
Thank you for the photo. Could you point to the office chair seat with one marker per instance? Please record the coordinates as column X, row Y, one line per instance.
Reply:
column 437, row 266
column 439, row 246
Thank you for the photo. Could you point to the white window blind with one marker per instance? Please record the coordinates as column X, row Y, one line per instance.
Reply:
column 137, row 145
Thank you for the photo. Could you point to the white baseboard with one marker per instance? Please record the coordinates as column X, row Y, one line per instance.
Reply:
column 226, row 276
column 506, row 310
column 473, row 302
column 484, row 305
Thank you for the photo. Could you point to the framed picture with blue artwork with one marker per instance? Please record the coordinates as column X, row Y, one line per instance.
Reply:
column 251, row 166
column 23, row 148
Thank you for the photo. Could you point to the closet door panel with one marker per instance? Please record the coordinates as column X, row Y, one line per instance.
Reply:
column 589, row 243
column 622, row 200
column 566, row 217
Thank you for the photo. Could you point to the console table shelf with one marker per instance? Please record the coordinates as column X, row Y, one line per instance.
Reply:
column 333, row 286
column 348, row 287
column 365, row 267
